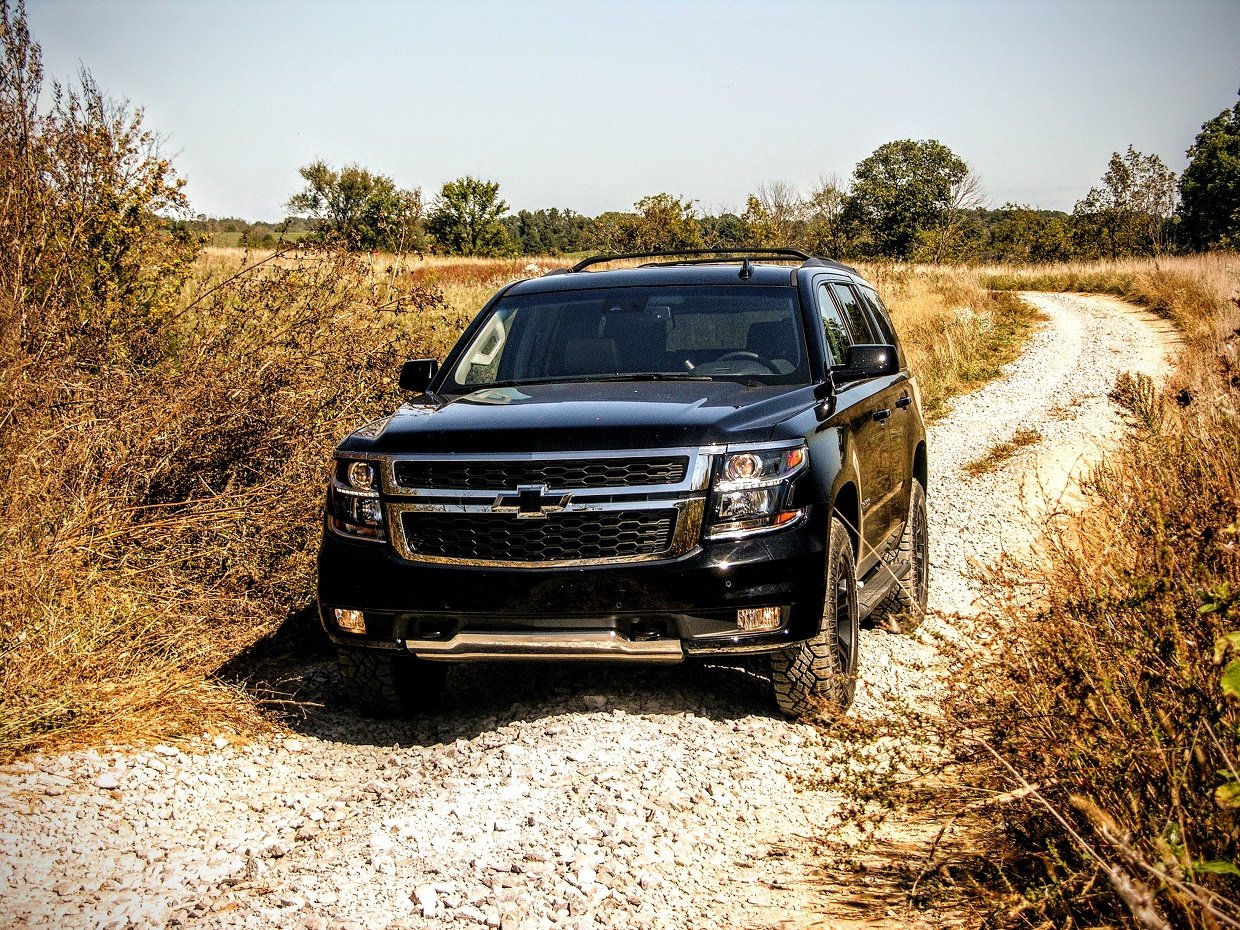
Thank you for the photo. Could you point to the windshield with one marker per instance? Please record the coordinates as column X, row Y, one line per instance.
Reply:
column 719, row 332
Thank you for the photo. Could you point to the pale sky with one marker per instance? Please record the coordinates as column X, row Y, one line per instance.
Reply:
column 593, row 105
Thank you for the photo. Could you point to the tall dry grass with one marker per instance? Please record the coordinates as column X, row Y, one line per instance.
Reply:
column 957, row 332
column 1103, row 702
column 160, row 517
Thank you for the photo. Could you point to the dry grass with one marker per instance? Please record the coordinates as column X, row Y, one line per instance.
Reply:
column 1001, row 452
column 159, row 518
column 958, row 333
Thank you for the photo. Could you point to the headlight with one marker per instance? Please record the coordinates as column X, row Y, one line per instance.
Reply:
column 751, row 491
column 360, row 475
column 353, row 506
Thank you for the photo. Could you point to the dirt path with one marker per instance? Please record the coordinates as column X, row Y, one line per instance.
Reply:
column 569, row 796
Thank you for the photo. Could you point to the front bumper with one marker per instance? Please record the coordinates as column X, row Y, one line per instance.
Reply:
column 646, row 612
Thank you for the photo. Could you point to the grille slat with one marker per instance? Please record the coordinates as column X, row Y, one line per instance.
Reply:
column 565, row 475
column 486, row 537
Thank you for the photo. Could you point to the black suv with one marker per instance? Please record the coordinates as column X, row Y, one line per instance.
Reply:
column 715, row 455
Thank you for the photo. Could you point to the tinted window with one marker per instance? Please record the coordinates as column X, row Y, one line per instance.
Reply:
column 833, row 326
column 720, row 332
column 878, row 313
column 858, row 322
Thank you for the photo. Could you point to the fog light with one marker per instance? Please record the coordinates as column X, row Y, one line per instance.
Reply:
column 351, row 621
column 756, row 619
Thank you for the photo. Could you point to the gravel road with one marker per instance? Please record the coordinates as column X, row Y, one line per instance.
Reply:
column 568, row 796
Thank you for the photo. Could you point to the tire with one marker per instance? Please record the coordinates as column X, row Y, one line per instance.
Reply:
column 389, row 684
column 904, row 607
column 817, row 678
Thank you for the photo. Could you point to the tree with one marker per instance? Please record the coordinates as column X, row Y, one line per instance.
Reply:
column 904, row 187
column 358, row 209
column 1210, row 185
column 465, row 218
column 774, row 214
column 724, row 230
column 91, row 252
column 661, row 223
column 1129, row 213
column 666, row 223
column 1020, row 233
column 549, row 232
column 958, row 235
column 825, row 231
column 615, row 231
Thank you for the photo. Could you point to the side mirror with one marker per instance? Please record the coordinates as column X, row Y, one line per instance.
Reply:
column 863, row 362
column 416, row 374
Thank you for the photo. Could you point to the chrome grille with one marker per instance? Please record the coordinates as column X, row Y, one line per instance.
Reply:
column 486, row 537
column 563, row 474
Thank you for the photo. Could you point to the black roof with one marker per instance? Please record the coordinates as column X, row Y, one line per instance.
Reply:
column 700, row 266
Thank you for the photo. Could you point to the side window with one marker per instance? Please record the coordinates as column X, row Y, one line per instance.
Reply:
column 878, row 313
column 858, row 322
column 833, row 326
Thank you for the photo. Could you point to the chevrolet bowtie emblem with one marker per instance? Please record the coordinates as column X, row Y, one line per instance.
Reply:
column 530, row 502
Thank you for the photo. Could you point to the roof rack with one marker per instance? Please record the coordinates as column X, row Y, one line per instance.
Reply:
column 708, row 257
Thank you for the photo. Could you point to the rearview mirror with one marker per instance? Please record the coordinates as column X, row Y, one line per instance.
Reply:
column 416, row 374
column 876, row 361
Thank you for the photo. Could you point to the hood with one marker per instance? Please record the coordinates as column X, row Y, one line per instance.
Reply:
column 562, row 417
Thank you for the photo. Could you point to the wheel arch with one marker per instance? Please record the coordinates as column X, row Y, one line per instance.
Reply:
column 847, row 506
column 921, row 467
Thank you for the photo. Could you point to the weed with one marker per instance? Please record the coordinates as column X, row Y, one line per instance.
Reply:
column 1000, row 452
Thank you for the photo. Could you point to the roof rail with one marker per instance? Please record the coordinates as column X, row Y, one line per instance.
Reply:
column 714, row 256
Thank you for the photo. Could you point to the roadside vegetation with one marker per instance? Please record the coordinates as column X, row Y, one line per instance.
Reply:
column 1002, row 452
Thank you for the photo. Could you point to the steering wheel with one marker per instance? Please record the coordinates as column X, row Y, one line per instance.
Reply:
column 751, row 356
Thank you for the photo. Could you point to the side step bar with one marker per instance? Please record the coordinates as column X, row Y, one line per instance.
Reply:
column 490, row 647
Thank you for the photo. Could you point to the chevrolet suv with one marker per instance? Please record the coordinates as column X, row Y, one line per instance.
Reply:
column 696, row 454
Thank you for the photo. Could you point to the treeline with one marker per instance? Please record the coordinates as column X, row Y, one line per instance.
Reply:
column 910, row 200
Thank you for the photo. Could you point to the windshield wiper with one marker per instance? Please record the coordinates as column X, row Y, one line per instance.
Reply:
column 566, row 379
column 649, row 376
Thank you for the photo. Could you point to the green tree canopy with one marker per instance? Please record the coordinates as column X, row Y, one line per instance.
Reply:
column 904, row 187
column 723, row 231
column 466, row 218
column 1020, row 233
column 549, row 232
column 667, row 223
column 1128, row 213
column 660, row 223
column 1210, row 185
column 359, row 209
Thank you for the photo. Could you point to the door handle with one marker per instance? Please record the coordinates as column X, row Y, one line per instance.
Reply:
column 881, row 415
column 904, row 402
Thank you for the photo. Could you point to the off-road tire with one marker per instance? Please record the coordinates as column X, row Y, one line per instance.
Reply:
column 817, row 678
column 388, row 684
column 904, row 607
